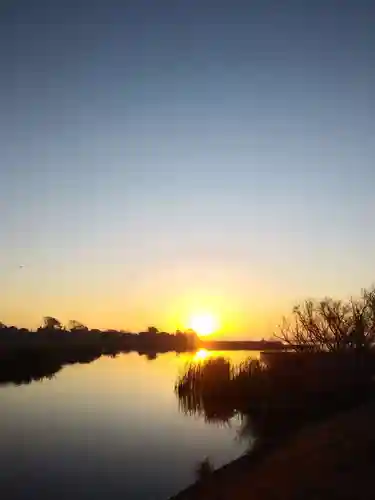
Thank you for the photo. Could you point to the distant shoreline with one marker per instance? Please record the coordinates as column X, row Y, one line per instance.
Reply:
column 241, row 345
column 33, row 355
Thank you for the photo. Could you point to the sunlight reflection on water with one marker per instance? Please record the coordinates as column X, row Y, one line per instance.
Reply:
column 109, row 427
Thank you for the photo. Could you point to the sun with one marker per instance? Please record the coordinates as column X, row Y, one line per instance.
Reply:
column 203, row 324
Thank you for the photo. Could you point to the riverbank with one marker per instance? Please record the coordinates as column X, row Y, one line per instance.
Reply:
column 331, row 460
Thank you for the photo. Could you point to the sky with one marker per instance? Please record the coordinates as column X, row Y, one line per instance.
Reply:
column 163, row 159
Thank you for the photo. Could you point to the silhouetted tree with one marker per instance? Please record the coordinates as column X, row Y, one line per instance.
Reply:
column 96, row 331
column 152, row 330
column 192, row 338
column 51, row 323
column 75, row 325
column 332, row 325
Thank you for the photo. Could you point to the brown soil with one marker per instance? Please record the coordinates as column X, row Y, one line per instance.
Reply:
column 333, row 460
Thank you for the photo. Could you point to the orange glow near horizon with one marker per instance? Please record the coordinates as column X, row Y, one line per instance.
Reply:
column 212, row 313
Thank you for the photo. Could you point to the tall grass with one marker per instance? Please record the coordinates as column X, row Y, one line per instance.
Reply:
column 218, row 389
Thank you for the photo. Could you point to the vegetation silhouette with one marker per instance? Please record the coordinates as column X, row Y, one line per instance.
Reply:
column 27, row 355
column 329, row 366
column 331, row 325
column 203, row 469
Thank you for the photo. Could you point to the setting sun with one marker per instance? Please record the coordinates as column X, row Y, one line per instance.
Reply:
column 204, row 324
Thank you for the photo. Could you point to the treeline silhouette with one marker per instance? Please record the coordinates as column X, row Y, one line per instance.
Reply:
column 27, row 355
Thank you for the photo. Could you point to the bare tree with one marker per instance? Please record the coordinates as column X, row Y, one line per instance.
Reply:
column 331, row 325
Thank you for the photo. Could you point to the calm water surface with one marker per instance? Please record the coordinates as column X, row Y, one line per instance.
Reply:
column 109, row 429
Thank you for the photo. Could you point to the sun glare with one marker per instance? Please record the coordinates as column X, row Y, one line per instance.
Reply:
column 201, row 355
column 204, row 324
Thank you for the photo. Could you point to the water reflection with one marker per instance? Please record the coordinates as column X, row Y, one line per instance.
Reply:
column 110, row 427
column 25, row 366
column 202, row 354
column 271, row 400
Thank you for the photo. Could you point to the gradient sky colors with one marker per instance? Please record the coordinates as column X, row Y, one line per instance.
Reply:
column 162, row 158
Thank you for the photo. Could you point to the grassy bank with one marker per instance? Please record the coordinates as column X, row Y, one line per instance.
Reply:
column 330, row 460
column 276, row 400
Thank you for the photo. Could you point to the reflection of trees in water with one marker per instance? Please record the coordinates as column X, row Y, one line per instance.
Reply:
column 151, row 356
column 212, row 409
column 26, row 356
column 214, row 388
column 271, row 402
column 18, row 371
column 203, row 391
column 23, row 366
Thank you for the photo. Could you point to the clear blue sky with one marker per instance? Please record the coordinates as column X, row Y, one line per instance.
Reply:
column 163, row 157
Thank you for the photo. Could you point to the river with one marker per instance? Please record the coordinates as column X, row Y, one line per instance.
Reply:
column 109, row 429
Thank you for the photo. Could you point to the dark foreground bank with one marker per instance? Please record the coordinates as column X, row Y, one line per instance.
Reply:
column 332, row 460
